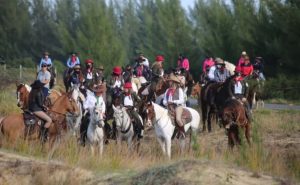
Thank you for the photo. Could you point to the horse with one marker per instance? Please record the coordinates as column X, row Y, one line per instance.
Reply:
column 196, row 92
column 67, row 78
column 23, row 91
column 23, row 95
column 74, row 121
column 124, row 127
column 233, row 117
column 13, row 126
column 213, row 97
column 164, row 129
column 95, row 131
column 255, row 91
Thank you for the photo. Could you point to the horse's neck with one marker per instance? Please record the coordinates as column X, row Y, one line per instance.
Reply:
column 125, row 118
column 58, row 105
column 159, row 112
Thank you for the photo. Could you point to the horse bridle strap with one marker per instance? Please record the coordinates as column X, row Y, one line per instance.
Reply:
column 127, row 130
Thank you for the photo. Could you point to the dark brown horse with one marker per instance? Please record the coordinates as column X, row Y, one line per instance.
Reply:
column 233, row 118
column 213, row 98
column 13, row 126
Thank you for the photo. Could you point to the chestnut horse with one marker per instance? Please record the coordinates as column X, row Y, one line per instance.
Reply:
column 23, row 91
column 196, row 92
column 13, row 126
column 233, row 118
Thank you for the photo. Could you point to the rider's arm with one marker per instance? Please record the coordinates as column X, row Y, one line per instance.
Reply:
column 211, row 75
column 246, row 89
column 165, row 100
column 69, row 63
column 40, row 100
column 77, row 61
column 230, row 89
column 180, row 100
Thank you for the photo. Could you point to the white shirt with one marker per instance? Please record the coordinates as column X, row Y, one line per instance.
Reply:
column 146, row 62
column 128, row 101
column 118, row 83
column 238, row 88
column 91, row 101
column 211, row 73
column 169, row 99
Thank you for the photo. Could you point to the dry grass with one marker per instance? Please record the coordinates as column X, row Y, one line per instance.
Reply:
column 275, row 148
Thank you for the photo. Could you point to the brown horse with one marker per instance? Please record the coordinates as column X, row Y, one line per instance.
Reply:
column 13, row 126
column 23, row 91
column 233, row 118
column 196, row 91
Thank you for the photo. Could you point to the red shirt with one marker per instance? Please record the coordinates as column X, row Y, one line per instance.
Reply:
column 246, row 69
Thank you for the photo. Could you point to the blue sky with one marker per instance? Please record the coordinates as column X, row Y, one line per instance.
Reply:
column 187, row 3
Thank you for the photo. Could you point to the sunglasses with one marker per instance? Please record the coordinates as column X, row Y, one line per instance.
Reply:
column 44, row 66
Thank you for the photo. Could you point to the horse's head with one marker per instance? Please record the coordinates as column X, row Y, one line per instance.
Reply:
column 97, row 116
column 23, row 91
column 196, row 89
column 119, row 115
column 150, row 114
column 68, row 103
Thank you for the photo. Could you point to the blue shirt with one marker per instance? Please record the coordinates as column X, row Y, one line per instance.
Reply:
column 70, row 64
column 44, row 61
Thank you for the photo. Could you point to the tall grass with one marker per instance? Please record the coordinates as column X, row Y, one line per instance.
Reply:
column 259, row 157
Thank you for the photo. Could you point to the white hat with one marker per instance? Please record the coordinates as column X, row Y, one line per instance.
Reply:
column 244, row 53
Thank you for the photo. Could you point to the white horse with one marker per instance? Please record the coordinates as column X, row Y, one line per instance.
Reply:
column 75, row 121
column 164, row 129
column 230, row 67
column 124, row 127
column 95, row 131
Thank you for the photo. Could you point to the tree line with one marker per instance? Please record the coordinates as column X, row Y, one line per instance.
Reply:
column 114, row 32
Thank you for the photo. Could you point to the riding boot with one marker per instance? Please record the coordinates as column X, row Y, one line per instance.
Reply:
column 44, row 134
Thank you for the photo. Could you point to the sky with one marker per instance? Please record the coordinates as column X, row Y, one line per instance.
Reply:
column 187, row 3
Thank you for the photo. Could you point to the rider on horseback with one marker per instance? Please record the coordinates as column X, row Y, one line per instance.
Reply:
column 246, row 67
column 221, row 73
column 130, row 101
column 99, row 75
column 259, row 67
column 44, row 76
column 183, row 62
column 46, row 60
column 242, row 58
column 174, row 100
column 73, row 60
column 142, row 72
column 208, row 62
column 36, row 106
column 157, row 74
column 128, row 73
column 89, row 72
column 238, row 89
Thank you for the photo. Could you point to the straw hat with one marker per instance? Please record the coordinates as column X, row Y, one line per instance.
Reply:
column 173, row 78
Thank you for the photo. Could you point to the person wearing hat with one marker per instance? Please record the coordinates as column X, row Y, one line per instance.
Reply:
column 157, row 66
column 94, row 98
column 259, row 67
column 207, row 64
column 44, row 76
column 73, row 60
column 76, row 77
column 183, row 62
column 241, row 60
column 174, row 100
column 238, row 89
column 142, row 73
column 221, row 73
column 45, row 60
column 246, row 67
column 142, row 59
column 89, row 73
column 36, row 106
column 211, row 72
column 130, row 100
column 114, row 84
column 99, row 75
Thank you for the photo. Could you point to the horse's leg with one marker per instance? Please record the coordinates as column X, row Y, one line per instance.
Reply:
column 210, row 115
column 92, row 149
column 230, row 139
column 162, row 144
column 247, row 133
column 182, row 145
column 129, row 143
column 168, row 146
column 204, row 115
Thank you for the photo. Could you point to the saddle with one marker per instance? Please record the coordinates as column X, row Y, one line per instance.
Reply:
column 186, row 115
column 30, row 121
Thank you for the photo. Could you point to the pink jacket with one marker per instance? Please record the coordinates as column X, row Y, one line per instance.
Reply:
column 240, row 62
column 184, row 64
column 207, row 64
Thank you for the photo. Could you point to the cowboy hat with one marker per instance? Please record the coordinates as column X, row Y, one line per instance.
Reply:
column 244, row 53
column 101, row 67
column 77, row 66
column 37, row 84
column 219, row 61
column 173, row 78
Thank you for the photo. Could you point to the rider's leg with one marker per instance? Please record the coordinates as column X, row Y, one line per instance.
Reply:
column 179, row 110
column 47, row 124
column 83, row 128
column 138, row 123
